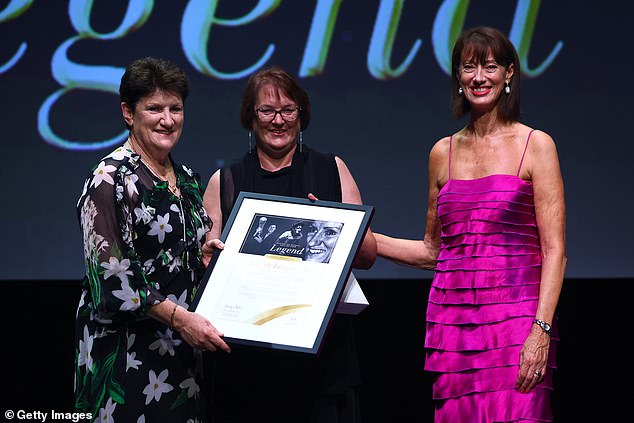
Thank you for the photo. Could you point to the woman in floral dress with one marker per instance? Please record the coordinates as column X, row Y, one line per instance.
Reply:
column 137, row 346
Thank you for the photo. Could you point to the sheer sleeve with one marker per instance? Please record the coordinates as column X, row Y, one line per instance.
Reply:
column 118, row 287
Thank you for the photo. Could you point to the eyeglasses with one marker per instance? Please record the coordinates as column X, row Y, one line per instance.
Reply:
column 268, row 114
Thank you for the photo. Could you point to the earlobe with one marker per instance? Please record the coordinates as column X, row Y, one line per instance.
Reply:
column 127, row 114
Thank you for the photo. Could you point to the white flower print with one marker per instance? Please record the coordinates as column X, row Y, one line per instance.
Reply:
column 85, row 348
column 175, row 264
column 102, row 173
column 165, row 343
column 191, row 386
column 141, row 419
column 130, row 184
column 188, row 170
column 131, row 299
column 119, row 154
column 126, row 228
column 157, row 386
column 181, row 301
column 93, row 242
column 200, row 233
column 148, row 266
column 82, row 301
column 131, row 339
column 83, row 191
column 117, row 268
column 105, row 413
column 160, row 226
column 145, row 213
column 132, row 362
column 118, row 191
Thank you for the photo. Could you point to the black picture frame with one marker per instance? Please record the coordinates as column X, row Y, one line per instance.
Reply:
column 279, row 288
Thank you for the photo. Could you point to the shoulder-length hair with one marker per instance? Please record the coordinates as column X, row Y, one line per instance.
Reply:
column 281, row 80
column 475, row 45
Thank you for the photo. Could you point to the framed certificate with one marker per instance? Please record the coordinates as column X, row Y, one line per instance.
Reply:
column 282, row 272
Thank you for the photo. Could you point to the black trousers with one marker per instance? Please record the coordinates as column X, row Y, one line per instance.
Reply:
column 261, row 386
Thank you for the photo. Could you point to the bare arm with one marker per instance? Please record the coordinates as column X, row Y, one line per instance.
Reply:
column 423, row 253
column 211, row 202
column 350, row 194
column 550, row 211
column 544, row 172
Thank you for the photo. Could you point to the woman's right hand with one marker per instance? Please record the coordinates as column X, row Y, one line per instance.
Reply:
column 197, row 331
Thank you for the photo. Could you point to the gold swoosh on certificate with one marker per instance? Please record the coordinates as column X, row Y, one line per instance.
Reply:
column 285, row 258
column 274, row 313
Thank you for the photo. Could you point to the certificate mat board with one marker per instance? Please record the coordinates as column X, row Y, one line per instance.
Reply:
column 278, row 280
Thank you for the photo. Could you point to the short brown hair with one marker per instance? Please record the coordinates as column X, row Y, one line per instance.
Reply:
column 476, row 44
column 144, row 76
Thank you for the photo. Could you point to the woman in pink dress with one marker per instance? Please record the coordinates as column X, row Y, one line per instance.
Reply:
column 495, row 236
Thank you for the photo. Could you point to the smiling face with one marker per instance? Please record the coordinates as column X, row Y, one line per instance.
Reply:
column 156, row 122
column 483, row 82
column 275, row 137
column 322, row 242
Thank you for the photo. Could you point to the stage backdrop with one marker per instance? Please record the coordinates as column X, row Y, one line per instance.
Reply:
column 377, row 73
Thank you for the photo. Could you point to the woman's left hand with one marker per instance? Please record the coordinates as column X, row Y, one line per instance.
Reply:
column 209, row 247
column 533, row 360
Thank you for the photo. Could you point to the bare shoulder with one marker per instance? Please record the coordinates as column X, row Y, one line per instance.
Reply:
column 541, row 156
column 541, row 146
column 349, row 190
column 440, row 148
column 438, row 164
column 341, row 164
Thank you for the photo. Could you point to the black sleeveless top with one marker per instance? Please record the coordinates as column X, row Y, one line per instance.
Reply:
column 309, row 172
column 264, row 384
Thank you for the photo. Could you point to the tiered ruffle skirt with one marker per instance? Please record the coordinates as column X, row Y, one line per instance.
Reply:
column 483, row 301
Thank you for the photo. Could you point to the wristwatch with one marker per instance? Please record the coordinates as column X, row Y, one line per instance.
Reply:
column 545, row 327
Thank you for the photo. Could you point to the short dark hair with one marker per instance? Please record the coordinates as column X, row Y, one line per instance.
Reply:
column 144, row 76
column 282, row 80
column 296, row 224
column 475, row 44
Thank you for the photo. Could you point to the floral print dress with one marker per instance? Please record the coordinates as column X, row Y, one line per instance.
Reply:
column 142, row 245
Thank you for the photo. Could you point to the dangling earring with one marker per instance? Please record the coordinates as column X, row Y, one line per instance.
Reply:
column 459, row 90
column 507, row 88
column 249, row 142
column 301, row 141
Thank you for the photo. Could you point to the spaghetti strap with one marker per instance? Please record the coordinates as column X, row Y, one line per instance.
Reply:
column 524, row 153
column 450, row 143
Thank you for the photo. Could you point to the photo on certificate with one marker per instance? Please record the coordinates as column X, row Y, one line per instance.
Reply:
column 277, row 282
column 306, row 240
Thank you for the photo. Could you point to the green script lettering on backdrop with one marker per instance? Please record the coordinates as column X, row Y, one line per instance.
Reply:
column 199, row 18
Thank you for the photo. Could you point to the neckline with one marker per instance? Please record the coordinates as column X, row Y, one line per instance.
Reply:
column 489, row 176
column 481, row 178
column 174, row 190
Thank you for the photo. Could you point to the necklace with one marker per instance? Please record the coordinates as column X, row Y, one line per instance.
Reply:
column 173, row 187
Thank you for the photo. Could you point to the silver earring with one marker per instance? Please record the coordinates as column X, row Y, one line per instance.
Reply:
column 507, row 88
column 459, row 90
column 250, row 142
column 301, row 141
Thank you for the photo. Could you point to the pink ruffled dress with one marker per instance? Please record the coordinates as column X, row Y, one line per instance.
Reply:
column 483, row 301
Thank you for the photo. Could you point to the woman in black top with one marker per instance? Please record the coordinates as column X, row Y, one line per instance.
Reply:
column 258, row 385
